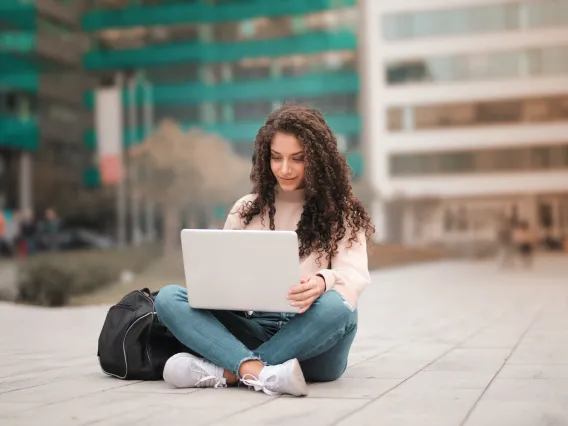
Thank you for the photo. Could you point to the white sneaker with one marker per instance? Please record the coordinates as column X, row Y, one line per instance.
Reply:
column 279, row 379
column 184, row 370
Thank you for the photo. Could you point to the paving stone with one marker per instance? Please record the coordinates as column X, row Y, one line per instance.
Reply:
column 407, row 407
column 62, row 390
column 352, row 388
column 491, row 413
column 299, row 412
column 536, row 372
column 387, row 367
column 471, row 359
column 525, row 402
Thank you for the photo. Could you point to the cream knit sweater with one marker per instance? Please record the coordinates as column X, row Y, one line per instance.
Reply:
column 349, row 270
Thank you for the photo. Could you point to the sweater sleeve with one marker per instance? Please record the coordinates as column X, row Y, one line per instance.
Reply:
column 234, row 221
column 349, row 267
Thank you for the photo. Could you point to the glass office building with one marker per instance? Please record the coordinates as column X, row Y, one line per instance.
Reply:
column 468, row 114
column 225, row 65
column 43, row 159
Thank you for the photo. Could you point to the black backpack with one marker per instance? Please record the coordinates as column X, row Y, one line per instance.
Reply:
column 133, row 344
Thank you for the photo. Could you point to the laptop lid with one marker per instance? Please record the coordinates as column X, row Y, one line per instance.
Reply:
column 240, row 270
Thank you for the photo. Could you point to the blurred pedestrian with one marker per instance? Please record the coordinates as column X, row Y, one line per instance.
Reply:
column 5, row 249
column 50, row 228
column 506, row 246
column 28, row 233
column 524, row 240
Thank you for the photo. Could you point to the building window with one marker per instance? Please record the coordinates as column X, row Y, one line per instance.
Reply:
column 545, row 215
column 139, row 37
column 333, row 19
column 246, row 29
column 541, row 158
column 251, row 69
column 344, row 103
column 459, row 162
column 508, row 159
column 462, row 223
column 455, row 115
column 298, row 24
column 480, row 161
column 257, row 29
column 173, row 73
column 252, row 110
column 179, row 113
column 498, row 112
column 335, row 61
column 475, row 19
column 394, row 119
column 61, row 112
column 477, row 67
column 449, row 220
column 122, row 4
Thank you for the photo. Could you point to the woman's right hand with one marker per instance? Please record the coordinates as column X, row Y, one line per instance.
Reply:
column 307, row 292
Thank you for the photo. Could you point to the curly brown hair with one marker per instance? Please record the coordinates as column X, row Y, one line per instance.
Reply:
column 330, row 207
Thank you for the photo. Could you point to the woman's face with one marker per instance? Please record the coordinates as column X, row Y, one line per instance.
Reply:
column 287, row 161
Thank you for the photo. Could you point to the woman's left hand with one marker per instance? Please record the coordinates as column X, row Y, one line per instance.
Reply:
column 307, row 292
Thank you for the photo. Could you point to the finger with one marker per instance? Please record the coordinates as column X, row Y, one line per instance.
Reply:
column 297, row 289
column 304, row 303
column 299, row 302
column 310, row 291
column 300, row 288
column 311, row 294
column 305, row 308
column 303, row 296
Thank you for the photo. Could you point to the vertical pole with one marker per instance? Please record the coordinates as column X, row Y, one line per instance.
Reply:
column 121, row 189
column 133, row 139
column 148, row 126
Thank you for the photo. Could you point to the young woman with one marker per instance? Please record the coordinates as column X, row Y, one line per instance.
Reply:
column 301, row 183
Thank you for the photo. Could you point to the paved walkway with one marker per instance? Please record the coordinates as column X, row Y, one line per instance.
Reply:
column 440, row 344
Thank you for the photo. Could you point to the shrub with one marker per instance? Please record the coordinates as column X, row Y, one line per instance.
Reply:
column 50, row 279
column 45, row 284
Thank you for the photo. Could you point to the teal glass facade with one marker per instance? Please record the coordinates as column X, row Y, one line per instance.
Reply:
column 225, row 65
column 18, row 73
column 42, row 83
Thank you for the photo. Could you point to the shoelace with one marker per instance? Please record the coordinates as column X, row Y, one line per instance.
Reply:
column 257, row 384
column 211, row 381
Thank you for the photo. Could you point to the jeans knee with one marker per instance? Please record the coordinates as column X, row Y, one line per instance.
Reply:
column 333, row 299
column 324, row 373
column 332, row 302
column 324, row 376
column 166, row 299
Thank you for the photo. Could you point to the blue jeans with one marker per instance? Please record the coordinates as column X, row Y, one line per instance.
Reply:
column 320, row 338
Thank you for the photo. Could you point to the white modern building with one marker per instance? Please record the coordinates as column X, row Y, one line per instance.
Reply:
column 465, row 106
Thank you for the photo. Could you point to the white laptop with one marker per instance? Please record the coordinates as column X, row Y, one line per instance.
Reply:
column 240, row 270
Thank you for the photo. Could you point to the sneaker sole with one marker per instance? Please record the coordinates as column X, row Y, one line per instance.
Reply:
column 298, row 379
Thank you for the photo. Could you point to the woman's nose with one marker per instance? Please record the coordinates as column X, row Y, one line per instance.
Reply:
column 286, row 167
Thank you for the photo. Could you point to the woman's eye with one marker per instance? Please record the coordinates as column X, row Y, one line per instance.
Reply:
column 299, row 160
